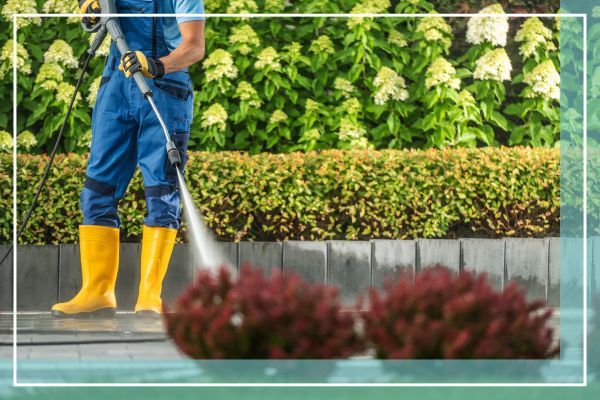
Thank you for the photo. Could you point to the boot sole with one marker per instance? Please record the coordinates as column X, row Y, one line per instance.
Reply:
column 147, row 314
column 101, row 313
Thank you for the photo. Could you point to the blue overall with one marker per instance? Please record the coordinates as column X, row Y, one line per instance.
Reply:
column 126, row 132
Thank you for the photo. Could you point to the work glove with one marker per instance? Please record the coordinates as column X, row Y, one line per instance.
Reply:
column 89, row 7
column 134, row 61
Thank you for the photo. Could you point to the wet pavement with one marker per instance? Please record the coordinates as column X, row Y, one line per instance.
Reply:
column 43, row 337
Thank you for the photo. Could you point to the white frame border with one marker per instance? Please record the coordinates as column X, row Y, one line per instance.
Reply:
column 308, row 15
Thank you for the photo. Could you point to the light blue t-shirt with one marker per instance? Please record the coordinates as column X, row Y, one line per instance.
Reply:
column 171, row 24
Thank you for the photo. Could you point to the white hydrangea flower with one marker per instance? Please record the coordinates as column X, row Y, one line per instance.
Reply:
column 492, row 30
column 6, row 141
column 49, row 76
column 245, row 37
column 441, row 74
column 543, row 81
column 6, row 59
column 26, row 140
column 274, row 6
column 344, row 86
column 246, row 92
column 312, row 106
column 367, row 7
column 465, row 98
column 277, row 117
column 242, row 7
column 218, row 65
column 436, row 29
column 64, row 93
column 268, row 58
column 397, row 38
column 215, row 115
column 352, row 106
column 293, row 49
column 389, row 85
column 310, row 135
column 322, row 45
column 104, row 48
column 62, row 7
column 93, row 91
column 60, row 52
column 532, row 35
column 353, row 134
column 21, row 7
column 494, row 65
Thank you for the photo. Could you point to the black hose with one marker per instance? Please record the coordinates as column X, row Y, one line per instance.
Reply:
column 86, row 63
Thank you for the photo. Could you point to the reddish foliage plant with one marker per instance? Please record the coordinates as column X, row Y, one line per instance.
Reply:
column 256, row 317
column 445, row 316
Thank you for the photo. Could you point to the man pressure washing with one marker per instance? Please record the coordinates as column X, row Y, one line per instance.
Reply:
column 127, row 133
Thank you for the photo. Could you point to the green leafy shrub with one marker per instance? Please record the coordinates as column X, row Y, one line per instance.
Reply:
column 331, row 194
column 289, row 84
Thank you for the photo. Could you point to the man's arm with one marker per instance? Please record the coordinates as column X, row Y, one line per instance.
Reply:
column 190, row 50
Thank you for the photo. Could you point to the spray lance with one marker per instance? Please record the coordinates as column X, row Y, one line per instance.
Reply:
column 108, row 24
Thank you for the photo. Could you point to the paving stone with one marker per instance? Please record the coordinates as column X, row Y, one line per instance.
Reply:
column 349, row 268
column 6, row 280
column 527, row 265
column 267, row 256
column 180, row 273
column 443, row 252
column 128, row 278
column 69, row 271
column 37, row 277
column 485, row 256
column 392, row 259
column 571, row 271
column 230, row 251
column 594, row 255
column 306, row 259
column 554, row 273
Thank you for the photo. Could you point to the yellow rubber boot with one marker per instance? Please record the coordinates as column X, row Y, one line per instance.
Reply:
column 157, row 246
column 99, row 248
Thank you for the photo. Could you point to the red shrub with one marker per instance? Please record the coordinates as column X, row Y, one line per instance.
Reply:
column 259, row 318
column 445, row 316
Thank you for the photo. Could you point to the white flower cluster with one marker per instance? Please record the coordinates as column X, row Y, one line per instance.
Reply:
column 62, row 7
column 246, row 92
column 352, row 106
column 242, row 7
column 344, row 86
column 441, row 74
column 64, row 93
column 104, row 48
column 436, row 29
column 49, row 76
column 277, row 117
column 465, row 98
column 6, row 59
column 215, row 115
column 245, row 37
column 274, row 6
column 21, row 7
column 268, row 58
column 310, row 135
column 312, row 106
column 494, row 65
column 93, row 91
column 543, row 81
column 26, row 140
column 397, row 38
column 389, row 85
column 532, row 35
column 352, row 133
column 488, row 29
column 322, row 45
column 293, row 50
column 218, row 65
column 61, row 53
column 6, row 141
column 367, row 7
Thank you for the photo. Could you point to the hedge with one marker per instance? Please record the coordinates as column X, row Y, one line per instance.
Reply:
column 334, row 194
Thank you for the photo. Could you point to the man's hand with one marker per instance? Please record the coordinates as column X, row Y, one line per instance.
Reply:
column 135, row 61
column 89, row 7
column 190, row 50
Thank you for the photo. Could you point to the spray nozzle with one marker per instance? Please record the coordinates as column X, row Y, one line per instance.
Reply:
column 173, row 154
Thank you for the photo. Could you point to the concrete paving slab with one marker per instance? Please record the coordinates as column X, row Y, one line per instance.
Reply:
column 306, row 259
column 267, row 256
column 527, row 265
column 392, row 259
column 442, row 252
column 485, row 256
column 349, row 268
column 37, row 288
column 6, row 280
